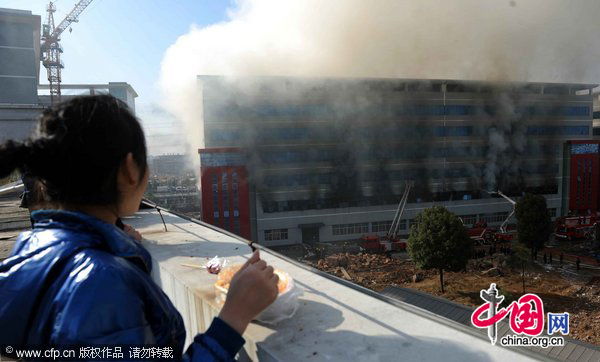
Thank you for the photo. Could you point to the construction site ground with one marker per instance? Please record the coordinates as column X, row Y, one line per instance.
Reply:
column 561, row 287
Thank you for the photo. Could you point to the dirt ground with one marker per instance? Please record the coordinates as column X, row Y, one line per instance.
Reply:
column 561, row 287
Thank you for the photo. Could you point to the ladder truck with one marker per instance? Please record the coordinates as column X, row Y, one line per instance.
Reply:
column 503, row 235
column 391, row 241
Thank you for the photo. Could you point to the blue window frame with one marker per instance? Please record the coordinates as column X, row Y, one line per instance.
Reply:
column 558, row 130
column 453, row 131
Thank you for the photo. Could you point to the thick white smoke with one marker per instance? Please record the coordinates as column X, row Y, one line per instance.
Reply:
column 518, row 40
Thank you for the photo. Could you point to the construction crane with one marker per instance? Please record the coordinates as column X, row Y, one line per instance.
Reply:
column 50, row 47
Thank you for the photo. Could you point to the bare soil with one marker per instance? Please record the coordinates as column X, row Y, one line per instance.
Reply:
column 561, row 287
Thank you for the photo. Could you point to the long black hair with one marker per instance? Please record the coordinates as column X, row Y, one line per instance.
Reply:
column 77, row 150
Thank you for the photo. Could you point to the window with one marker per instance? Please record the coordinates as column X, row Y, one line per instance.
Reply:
column 215, row 192
column 234, row 188
column 558, row 130
column 459, row 110
column 347, row 229
column 236, row 226
column 552, row 212
column 225, row 193
column 275, row 234
column 454, row 131
column 493, row 217
column 469, row 219
column 381, row 226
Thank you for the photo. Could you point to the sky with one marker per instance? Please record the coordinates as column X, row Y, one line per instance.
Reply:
column 125, row 41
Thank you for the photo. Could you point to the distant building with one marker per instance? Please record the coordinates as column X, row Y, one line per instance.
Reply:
column 327, row 159
column 19, row 72
column 121, row 90
column 20, row 103
column 169, row 165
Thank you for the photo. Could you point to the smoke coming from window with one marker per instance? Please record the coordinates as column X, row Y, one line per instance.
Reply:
column 495, row 40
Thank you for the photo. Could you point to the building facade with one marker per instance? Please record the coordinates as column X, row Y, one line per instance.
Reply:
column 19, row 72
column 225, row 190
column 328, row 159
column 582, row 161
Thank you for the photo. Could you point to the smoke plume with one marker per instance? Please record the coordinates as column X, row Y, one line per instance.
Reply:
column 495, row 40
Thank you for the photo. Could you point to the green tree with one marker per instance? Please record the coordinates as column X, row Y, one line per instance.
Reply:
column 439, row 241
column 533, row 221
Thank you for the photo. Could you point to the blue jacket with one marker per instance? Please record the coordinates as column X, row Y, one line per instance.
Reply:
column 76, row 280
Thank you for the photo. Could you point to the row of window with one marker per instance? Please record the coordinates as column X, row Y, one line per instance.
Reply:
column 493, row 217
column 321, row 111
column 399, row 175
column 276, row 234
column 223, row 196
column 405, row 153
column 384, row 226
column 329, row 133
column 347, row 229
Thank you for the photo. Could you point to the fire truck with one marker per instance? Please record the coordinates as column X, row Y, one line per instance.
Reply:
column 482, row 234
column 503, row 234
column 391, row 241
column 576, row 227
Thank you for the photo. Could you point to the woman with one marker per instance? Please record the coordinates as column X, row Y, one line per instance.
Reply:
column 76, row 279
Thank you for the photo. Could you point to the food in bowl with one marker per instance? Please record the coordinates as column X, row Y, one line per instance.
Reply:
column 227, row 274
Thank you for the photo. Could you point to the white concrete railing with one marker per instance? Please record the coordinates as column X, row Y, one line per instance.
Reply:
column 334, row 321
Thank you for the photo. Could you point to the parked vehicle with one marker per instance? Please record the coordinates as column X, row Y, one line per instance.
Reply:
column 576, row 227
column 391, row 241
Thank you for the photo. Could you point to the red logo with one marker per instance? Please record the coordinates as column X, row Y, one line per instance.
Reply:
column 526, row 315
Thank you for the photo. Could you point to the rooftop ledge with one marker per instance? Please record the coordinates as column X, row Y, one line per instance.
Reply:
column 336, row 320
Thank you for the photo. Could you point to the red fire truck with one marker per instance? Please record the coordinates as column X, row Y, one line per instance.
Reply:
column 575, row 227
column 391, row 241
column 503, row 234
column 480, row 233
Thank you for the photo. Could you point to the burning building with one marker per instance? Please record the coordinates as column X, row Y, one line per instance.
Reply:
column 327, row 159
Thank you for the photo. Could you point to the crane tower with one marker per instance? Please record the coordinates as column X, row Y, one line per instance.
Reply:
column 50, row 47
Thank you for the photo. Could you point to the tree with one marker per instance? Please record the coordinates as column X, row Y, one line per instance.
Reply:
column 519, row 259
column 533, row 221
column 439, row 241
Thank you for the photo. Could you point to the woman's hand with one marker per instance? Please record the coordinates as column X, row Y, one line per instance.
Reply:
column 252, row 289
